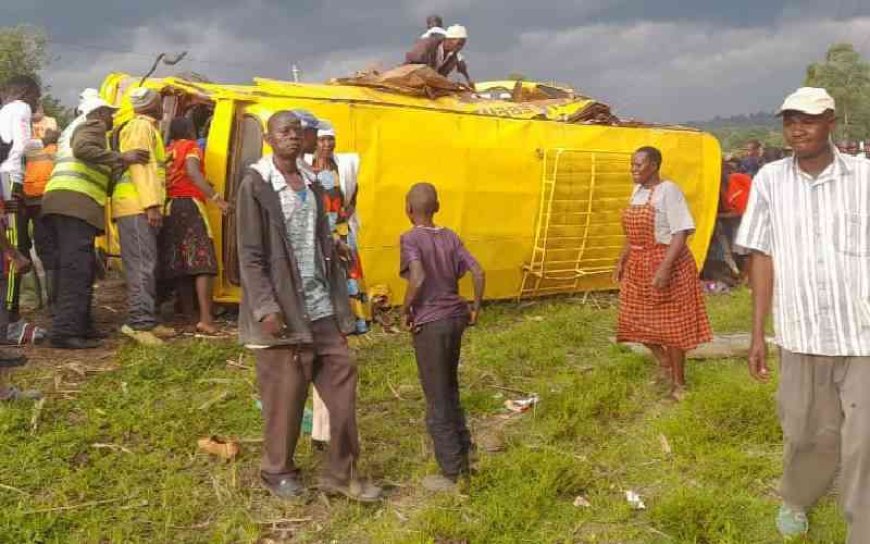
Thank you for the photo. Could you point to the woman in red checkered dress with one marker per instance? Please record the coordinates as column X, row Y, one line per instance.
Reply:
column 660, row 300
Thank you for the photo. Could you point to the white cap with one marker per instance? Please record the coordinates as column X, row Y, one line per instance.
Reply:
column 809, row 100
column 456, row 32
column 92, row 103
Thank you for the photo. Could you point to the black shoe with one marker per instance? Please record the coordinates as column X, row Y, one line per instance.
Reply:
column 74, row 342
column 287, row 488
column 94, row 334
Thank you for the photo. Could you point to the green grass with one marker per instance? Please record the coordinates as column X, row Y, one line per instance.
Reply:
column 597, row 432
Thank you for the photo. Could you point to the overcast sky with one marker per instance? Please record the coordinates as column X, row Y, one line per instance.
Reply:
column 663, row 60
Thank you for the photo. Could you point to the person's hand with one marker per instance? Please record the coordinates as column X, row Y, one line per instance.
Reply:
column 619, row 271
column 408, row 319
column 660, row 279
column 758, row 359
column 154, row 216
column 273, row 325
column 473, row 314
column 224, row 206
column 136, row 156
column 343, row 251
column 22, row 264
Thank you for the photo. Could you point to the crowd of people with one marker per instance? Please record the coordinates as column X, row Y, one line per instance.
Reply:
column 795, row 224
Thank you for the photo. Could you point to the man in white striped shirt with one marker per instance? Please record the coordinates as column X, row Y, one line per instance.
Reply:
column 808, row 226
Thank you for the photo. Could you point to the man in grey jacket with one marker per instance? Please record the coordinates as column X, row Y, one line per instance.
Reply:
column 294, row 315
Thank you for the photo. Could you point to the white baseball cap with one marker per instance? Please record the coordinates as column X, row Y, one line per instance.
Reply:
column 809, row 100
column 93, row 103
column 456, row 32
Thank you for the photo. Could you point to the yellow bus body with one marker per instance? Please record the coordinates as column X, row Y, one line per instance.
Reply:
column 537, row 201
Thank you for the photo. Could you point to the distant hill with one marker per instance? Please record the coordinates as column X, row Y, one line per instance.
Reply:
column 734, row 131
column 760, row 119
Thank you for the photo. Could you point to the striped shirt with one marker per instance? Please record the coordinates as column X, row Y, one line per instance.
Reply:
column 817, row 230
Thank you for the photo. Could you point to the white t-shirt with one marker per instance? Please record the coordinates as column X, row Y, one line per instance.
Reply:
column 15, row 128
column 672, row 210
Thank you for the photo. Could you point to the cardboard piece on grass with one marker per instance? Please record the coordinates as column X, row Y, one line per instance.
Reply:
column 219, row 447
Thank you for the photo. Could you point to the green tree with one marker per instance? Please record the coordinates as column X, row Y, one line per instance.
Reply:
column 23, row 51
column 846, row 75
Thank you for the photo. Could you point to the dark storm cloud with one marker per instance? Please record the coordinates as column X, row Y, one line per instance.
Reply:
column 668, row 60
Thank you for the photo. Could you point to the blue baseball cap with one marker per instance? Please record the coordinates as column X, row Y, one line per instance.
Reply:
column 307, row 119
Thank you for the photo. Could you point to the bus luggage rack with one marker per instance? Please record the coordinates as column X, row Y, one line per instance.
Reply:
column 578, row 235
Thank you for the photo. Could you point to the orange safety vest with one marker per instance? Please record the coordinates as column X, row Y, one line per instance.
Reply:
column 37, row 171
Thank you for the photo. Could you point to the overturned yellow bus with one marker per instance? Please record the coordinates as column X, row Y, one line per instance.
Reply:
column 535, row 195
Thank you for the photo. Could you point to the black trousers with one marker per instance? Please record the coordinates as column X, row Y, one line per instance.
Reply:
column 70, row 254
column 32, row 221
column 437, row 346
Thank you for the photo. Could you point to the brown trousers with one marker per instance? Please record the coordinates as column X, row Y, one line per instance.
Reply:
column 283, row 376
column 824, row 409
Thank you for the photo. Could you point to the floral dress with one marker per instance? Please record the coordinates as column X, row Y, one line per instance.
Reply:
column 339, row 222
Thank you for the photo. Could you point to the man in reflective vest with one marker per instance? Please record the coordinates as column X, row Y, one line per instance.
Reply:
column 74, row 208
column 137, row 208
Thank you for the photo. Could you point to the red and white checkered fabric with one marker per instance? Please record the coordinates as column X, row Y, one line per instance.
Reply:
column 672, row 317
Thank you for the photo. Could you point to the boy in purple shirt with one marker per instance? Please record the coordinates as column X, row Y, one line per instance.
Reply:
column 432, row 260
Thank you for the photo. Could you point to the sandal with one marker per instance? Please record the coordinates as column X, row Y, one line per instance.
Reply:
column 208, row 331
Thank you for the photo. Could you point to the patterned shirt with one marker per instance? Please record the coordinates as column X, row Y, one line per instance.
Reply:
column 817, row 230
column 300, row 218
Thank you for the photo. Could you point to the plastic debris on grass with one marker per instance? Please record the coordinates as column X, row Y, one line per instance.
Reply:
column 519, row 406
column 635, row 500
column 582, row 502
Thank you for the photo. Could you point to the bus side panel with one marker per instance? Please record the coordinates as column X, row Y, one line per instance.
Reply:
column 488, row 172
column 217, row 153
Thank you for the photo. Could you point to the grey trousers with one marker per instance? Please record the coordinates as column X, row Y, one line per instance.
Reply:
column 139, row 256
column 824, row 409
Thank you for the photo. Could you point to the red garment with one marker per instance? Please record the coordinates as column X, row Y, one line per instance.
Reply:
column 671, row 317
column 178, row 183
column 737, row 195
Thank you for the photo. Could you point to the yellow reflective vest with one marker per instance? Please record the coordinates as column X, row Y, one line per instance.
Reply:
column 141, row 186
column 72, row 174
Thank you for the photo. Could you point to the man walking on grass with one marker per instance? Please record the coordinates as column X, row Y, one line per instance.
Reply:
column 295, row 313
column 808, row 227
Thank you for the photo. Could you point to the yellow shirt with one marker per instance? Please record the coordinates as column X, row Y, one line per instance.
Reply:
column 148, row 187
